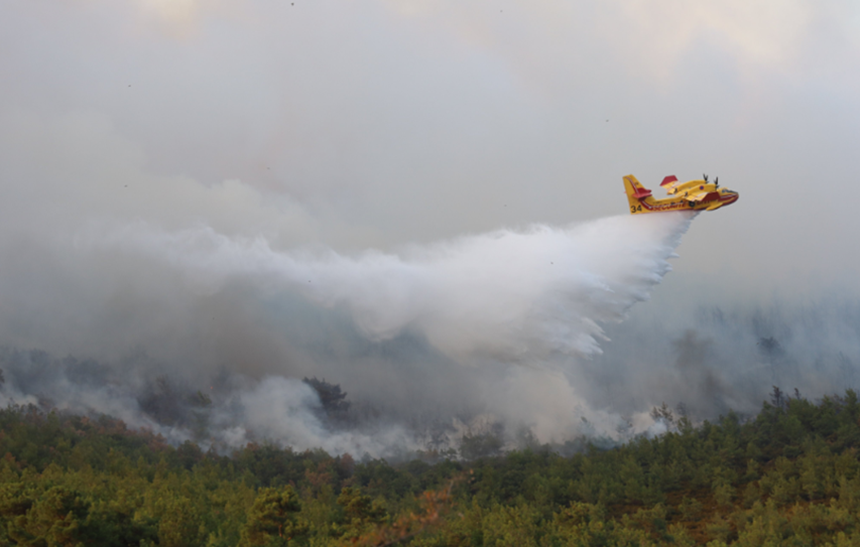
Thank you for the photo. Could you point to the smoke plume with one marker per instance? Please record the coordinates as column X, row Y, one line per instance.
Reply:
column 198, row 310
column 200, row 334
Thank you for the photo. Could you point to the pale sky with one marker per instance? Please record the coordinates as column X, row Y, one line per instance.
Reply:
column 381, row 123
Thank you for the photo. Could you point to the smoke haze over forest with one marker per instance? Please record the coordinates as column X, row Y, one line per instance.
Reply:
column 204, row 203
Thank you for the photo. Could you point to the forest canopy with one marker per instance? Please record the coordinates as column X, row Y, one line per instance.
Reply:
column 788, row 476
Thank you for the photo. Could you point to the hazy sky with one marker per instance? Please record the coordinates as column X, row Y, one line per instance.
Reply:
column 375, row 123
column 165, row 165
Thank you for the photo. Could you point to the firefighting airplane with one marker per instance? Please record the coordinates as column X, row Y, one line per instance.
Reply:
column 695, row 195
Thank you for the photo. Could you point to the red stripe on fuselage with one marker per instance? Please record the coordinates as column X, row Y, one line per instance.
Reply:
column 730, row 198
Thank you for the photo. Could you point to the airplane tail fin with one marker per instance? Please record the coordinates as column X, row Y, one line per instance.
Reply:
column 636, row 194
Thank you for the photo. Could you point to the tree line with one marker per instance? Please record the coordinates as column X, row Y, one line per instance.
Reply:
column 788, row 476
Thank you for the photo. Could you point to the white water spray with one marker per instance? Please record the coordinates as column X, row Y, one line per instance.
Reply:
column 513, row 296
column 513, row 315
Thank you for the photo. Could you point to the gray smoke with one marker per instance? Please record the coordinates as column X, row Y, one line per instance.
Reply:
column 719, row 357
column 203, row 335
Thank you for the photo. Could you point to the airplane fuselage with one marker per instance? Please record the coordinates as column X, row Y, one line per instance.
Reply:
column 694, row 195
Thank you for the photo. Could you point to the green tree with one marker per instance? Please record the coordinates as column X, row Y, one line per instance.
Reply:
column 361, row 513
column 53, row 519
column 274, row 519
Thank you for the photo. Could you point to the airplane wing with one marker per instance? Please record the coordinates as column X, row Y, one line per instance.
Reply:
column 703, row 196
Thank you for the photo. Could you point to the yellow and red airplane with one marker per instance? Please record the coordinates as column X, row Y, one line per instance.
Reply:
column 694, row 195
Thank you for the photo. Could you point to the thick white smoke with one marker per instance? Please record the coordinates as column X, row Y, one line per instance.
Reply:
column 494, row 325
column 161, row 287
column 521, row 309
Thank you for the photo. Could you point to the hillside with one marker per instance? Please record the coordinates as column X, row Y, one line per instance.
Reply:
column 789, row 476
